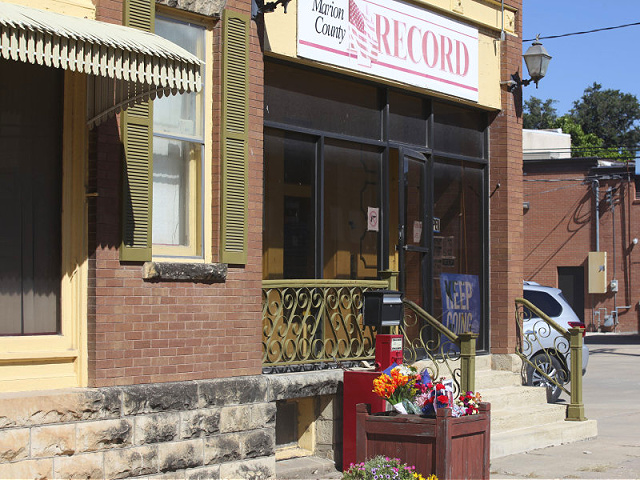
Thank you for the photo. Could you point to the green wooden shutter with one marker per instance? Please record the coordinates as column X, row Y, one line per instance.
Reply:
column 137, row 136
column 235, row 137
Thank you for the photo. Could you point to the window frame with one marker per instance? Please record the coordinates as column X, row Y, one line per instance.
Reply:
column 198, row 248
column 54, row 361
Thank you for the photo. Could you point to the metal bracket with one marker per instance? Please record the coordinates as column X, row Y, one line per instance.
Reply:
column 259, row 6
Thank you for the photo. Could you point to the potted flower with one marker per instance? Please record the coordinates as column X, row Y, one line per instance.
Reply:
column 381, row 468
column 438, row 433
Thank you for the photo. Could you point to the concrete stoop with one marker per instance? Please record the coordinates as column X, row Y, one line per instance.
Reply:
column 521, row 421
column 521, row 418
column 306, row 468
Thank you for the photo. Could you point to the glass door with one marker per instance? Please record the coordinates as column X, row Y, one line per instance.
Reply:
column 414, row 235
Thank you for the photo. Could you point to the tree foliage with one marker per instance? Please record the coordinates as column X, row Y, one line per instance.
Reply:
column 602, row 123
column 609, row 114
column 539, row 114
column 585, row 144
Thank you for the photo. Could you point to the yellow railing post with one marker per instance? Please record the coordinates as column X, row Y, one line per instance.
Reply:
column 575, row 410
column 467, row 362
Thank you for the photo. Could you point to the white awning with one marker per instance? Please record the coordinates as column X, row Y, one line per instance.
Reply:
column 140, row 64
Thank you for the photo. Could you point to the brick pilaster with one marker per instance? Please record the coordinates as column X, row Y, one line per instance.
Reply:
column 506, row 202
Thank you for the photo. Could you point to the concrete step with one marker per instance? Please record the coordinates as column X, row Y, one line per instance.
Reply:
column 526, row 416
column 308, row 468
column 540, row 436
column 487, row 379
column 506, row 398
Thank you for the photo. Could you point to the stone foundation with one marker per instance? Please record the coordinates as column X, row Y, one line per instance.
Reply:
column 325, row 387
column 188, row 430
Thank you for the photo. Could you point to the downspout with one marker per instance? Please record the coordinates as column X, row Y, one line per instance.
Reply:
column 502, row 34
column 596, row 189
column 613, row 232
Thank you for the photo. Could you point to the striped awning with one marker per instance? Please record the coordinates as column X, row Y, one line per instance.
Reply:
column 140, row 65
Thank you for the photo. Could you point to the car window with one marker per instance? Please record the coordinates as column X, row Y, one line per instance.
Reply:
column 545, row 302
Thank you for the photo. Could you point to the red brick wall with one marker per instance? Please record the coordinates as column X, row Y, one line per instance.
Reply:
column 141, row 332
column 560, row 228
column 506, row 203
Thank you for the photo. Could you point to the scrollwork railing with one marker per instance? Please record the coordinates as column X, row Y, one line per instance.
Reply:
column 433, row 346
column 551, row 355
column 312, row 322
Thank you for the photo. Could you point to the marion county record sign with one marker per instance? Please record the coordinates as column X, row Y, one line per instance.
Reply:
column 393, row 40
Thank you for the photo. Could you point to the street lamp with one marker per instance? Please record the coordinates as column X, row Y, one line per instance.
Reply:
column 537, row 60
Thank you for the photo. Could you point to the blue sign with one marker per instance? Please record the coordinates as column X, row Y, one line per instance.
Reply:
column 460, row 302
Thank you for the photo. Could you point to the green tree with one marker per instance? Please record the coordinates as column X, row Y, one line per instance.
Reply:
column 538, row 114
column 609, row 114
column 582, row 144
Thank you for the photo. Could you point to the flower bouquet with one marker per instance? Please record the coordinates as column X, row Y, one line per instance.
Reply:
column 411, row 392
column 398, row 387
column 435, row 395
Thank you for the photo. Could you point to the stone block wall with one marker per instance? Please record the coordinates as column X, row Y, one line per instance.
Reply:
column 325, row 387
column 189, row 430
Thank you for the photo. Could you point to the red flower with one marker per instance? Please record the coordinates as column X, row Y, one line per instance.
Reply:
column 443, row 399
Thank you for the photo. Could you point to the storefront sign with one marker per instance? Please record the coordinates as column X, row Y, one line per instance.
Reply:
column 391, row 39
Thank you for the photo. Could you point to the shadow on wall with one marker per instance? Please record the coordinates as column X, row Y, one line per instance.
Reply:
column 577, row 217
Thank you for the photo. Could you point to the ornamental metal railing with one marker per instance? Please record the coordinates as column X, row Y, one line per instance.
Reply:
column 314, row 324
column 551, row 355
column 430, row 344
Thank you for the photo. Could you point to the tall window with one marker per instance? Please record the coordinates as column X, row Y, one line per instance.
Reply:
column 178, row 147
column 30, row 198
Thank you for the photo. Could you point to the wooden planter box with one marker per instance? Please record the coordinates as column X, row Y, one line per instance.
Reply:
column 451, row 448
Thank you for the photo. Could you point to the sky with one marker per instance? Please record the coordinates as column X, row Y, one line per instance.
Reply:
column 611, row 58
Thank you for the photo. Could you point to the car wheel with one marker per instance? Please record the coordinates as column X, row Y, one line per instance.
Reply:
column 553, row 368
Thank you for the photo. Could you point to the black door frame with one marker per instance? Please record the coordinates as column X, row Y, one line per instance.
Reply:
column 404, row 156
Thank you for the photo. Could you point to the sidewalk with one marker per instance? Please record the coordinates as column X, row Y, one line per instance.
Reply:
column 612, row 397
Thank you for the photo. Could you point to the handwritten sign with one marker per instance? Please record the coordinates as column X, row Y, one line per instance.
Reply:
column 460, row 302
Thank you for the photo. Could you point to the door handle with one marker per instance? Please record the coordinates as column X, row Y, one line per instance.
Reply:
column 415, row 248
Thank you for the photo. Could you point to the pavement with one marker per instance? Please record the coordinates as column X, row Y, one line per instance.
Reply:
column 611, row 392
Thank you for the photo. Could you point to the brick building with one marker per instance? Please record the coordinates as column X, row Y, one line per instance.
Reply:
column 182, row 188
column 574, row 206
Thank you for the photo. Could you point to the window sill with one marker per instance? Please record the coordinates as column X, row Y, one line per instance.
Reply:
column 184, row 272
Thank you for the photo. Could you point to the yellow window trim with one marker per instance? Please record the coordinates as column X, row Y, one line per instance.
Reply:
column 194, row 248
column 60, row 361
column 200, row 251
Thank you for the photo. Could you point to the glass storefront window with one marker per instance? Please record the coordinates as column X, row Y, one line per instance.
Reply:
column 408, row 119
column 321, row 102
column 290, row 208
column 458, row 130
column 458, row 194
column 351, row 193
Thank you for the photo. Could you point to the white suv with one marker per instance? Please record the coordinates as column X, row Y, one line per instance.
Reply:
column 542, row 344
